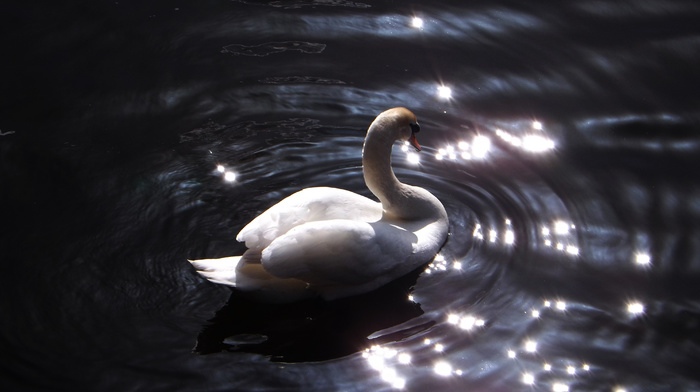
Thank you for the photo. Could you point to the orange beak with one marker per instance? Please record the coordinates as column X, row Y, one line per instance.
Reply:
column 414, row 142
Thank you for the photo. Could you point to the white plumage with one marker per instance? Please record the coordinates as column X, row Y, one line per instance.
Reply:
column 336, row 243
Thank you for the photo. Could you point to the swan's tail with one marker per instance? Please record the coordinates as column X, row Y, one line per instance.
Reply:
column 221, row 271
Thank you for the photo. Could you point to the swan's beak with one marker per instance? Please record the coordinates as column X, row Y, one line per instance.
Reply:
column 413, row 141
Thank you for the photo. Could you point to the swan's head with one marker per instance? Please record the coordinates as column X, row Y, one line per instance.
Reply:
column 398, row 124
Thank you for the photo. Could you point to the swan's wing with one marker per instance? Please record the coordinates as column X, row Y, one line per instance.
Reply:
column 307, row 205
column 341, row 252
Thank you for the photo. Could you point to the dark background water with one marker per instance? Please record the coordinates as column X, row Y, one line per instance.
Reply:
column 114, row 116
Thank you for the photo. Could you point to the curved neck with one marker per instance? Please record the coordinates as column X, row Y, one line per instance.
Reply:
column 378, row 174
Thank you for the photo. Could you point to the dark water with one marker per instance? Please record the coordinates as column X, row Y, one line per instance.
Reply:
column 572, row 268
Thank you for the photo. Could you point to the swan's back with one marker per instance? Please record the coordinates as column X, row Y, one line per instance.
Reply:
column 307, row 205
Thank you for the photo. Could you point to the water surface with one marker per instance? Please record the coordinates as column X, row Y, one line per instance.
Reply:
column 564, row 153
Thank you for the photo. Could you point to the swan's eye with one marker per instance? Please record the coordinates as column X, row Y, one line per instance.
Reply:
column 415, row 128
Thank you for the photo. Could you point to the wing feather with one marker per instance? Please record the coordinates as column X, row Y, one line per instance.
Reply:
column 307, row 205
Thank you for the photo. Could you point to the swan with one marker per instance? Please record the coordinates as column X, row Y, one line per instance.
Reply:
column 334, row 243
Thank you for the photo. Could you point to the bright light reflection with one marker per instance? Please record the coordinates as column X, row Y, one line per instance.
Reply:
column 547, row 367
column 586, row 367
column 528, row 379
column 444, row 92
column 561, row 227
column 570, row 369
column 477, row 232
column 535, row 313
column 467, row 322
column 531, row 346
column 220, row 169
column 643, row 259
column 377, row 358
column 413, row 158
column 493, row 235
column 558, row 387
column 572, row 250
column 404, row 358
column 537, row 125
column 481, row 146
column 510, row 237
column 536, row 143
column 511, row 354
column 417, row 22
column 442, row 368
column 561, row 305
column 547, row 304
column 439, row 347
column 457, row 265
column 230, row 176
column 635, row 308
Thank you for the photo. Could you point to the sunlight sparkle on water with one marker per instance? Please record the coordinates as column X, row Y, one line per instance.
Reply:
column 413, row 158
column 558, row 387
column 444, row 92
column 547, row 367
column 481, row 146
column 417, row 22
column 531, row 346
column 511, row 354
column 220, row 169
column 643, row 259
column 442, row 368
column 465, row 322
column 535, row 313
column 635, row 308
column 230, row 176
column 528, row 379
column 570, row 369
column 561, row 305
column 537, row 143
column 382, row 360
column 510, row 237
column 561, row 227
column 537, row 125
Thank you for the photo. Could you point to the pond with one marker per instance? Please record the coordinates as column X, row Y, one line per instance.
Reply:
column 562, row 139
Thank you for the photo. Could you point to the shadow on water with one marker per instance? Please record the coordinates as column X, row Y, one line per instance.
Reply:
column 313, row 329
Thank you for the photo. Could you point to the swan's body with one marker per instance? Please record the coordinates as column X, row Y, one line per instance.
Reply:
column 337, row 243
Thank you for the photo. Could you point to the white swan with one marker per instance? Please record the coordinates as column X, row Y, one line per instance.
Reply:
column 335, row 243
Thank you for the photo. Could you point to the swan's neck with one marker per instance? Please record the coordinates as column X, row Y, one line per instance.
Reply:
column 380, row 178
